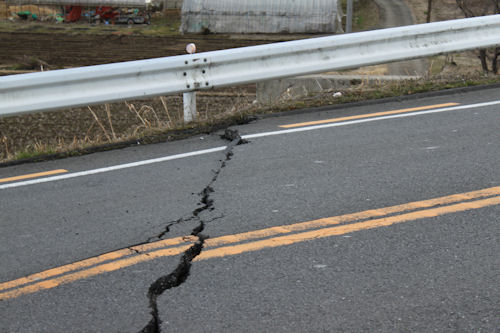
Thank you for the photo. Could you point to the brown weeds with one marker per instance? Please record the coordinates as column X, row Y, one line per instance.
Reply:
column 165, row 108
column 108, row 112
column 99, row 123
column 6, row 154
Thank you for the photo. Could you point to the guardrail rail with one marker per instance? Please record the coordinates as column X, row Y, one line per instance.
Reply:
column 163, row 76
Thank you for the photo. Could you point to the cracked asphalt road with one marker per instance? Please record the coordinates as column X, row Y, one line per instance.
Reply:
column 305, row 231
column 181, row 272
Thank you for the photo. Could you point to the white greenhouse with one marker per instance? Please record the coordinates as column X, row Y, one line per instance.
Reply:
column 261, row 16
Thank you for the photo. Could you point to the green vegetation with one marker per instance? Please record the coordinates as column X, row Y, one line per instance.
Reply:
column 34, row 151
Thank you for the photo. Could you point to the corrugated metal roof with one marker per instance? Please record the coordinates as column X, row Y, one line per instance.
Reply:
column 261, row 16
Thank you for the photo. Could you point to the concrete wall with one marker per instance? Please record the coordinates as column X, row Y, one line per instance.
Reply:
column 274, row 91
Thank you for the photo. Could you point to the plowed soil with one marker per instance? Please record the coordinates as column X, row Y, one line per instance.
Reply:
column 73, row 50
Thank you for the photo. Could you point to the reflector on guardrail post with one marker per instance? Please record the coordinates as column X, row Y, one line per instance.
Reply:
column 189, row 98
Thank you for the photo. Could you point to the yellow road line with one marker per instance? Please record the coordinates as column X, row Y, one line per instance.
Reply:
column 268, row 232
column 255, row 245
column 352, row 217
column 33, row 175
column 343, row 229
column 96, row 270
column 361, row 116
column 94, row 261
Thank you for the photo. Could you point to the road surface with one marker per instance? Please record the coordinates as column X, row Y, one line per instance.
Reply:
column 376, row 217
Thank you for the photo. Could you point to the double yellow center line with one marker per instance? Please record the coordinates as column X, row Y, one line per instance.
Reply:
column 251, row 241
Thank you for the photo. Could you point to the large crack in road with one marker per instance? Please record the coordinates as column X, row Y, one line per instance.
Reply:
column 180, row 274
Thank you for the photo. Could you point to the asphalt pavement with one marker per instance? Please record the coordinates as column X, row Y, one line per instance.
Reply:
column 376, row 217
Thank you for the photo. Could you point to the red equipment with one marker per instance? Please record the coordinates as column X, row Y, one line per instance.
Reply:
column 74, row 13
column 107, row 13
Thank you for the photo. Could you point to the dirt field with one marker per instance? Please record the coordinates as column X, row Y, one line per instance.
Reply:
column 73, row 50
column 80, row 127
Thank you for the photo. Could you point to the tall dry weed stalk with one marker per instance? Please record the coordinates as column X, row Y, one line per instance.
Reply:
column 99, row 123
column 6, row 144
column 164, row 103
column 149, row 118
column 108, row 112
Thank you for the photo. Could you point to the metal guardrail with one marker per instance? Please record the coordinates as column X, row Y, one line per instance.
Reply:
column 162, row 76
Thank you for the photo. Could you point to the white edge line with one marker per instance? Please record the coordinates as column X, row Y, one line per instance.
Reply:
column 112, row 168
column 351, row 122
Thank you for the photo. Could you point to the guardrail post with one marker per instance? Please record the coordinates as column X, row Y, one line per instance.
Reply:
column 189, row 101
column 189, row 98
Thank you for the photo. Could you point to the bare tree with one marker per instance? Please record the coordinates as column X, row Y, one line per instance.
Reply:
column 472, row 8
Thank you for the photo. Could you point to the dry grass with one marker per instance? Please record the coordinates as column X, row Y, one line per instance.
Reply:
column 80, row 128
column 7, row 11
column 4, row 10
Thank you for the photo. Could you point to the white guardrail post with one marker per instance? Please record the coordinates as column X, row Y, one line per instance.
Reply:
column 189, row 104
column 187, row 73
column 189, row 98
